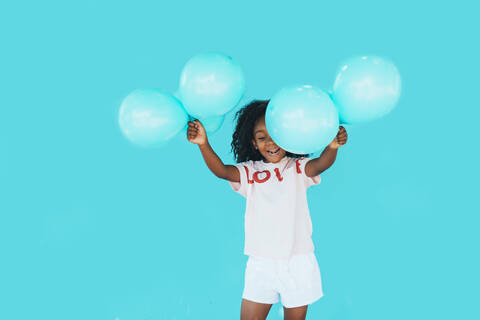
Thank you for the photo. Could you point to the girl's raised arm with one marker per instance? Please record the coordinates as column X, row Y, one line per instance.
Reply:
column 196, row 134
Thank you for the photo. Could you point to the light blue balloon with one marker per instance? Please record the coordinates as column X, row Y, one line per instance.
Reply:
column 177, row 95
column 211, row 84
column 330, row 94
column 212, row 124
column 301, row 119
column 150, row 117
column 366, row 88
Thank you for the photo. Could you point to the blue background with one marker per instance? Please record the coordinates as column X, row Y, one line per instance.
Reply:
column 93, row 227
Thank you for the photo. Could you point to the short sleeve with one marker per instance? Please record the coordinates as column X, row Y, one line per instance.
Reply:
column 309, row 181
column 241, row 187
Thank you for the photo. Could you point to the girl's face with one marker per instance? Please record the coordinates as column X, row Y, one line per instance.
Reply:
column 264, row 144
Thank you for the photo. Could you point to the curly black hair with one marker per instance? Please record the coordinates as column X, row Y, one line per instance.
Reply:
column 246, row 117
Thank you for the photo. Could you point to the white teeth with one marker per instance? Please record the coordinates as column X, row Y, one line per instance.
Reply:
column 273, row 153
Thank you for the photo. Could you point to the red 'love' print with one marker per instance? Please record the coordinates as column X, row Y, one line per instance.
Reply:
column 256, row 179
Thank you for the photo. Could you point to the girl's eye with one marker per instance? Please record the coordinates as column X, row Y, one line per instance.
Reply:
column 261, row 138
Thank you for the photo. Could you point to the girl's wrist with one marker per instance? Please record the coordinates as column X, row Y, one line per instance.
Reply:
column 332, row 147
column 203, row 145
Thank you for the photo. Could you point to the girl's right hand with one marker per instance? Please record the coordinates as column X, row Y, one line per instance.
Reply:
column 196, row 133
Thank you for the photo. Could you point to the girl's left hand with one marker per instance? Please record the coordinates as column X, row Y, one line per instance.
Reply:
column 340, row 139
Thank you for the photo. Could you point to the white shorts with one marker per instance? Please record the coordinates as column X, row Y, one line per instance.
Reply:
column 297, row 280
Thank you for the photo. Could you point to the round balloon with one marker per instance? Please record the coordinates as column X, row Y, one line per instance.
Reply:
column 150, row 117
column 176, row 94
column 301, row 119
column 212, row 124
column 211, row 84
column 366, row 88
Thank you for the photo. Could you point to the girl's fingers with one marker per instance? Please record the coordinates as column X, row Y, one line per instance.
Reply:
column 342, row 136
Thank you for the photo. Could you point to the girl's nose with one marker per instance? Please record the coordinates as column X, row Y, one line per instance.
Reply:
column 270, row 142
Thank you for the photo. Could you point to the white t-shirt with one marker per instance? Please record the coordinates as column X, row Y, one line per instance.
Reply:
column 277, row 219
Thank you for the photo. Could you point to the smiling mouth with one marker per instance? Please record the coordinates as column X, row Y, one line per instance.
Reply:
column 273, row 153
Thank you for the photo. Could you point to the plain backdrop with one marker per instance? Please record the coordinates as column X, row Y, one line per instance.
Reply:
column 93, row 227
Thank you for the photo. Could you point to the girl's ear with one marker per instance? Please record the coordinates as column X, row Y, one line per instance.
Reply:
column 254, row 144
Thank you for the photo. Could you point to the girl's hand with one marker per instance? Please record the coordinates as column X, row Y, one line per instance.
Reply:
column 196, row 133
column 340, row 139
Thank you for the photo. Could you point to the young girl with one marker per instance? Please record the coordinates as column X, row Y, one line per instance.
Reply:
column 278, row 227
